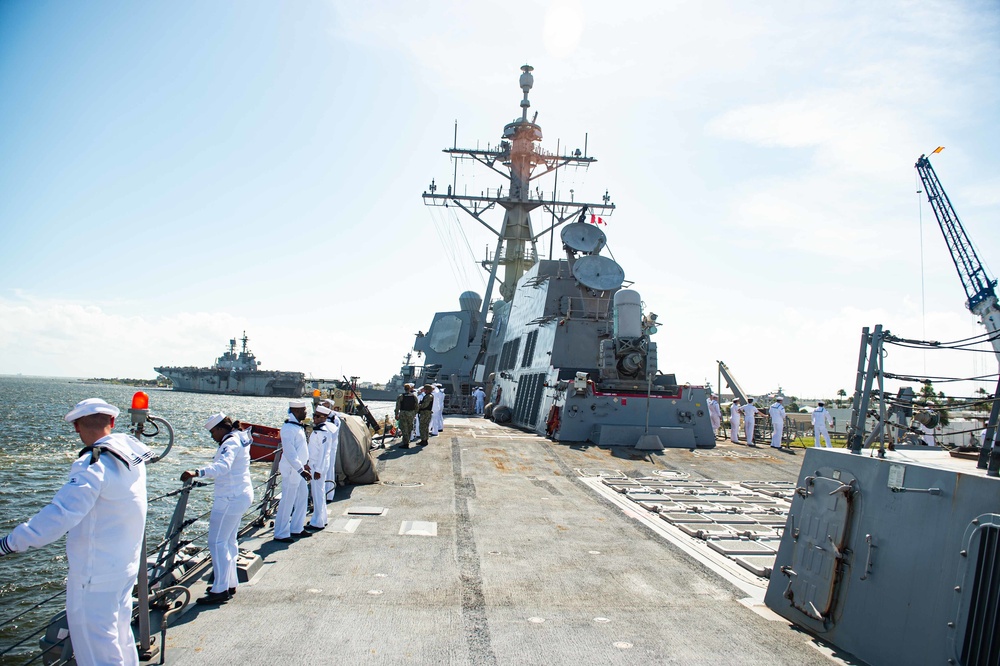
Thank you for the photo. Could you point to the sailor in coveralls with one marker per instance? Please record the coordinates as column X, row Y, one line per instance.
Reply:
column 103, row 508
column 291, row 518
column 319, row 462
column 233, row 496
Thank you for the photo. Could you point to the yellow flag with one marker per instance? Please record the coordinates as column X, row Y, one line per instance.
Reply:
column 937, row 150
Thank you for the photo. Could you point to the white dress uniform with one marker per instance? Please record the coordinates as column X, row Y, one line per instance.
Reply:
column 734, row 423
column 319, row 463
column 820, row 420
column 291, row 515
column 330, row 478
column 480, row 395
column 777, row 414
column 103, row 509
column 233, row 496
column 437, row 412
column 715, row 414
column 750, row 413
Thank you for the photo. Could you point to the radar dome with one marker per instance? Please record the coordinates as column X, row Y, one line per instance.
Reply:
column 470, row 301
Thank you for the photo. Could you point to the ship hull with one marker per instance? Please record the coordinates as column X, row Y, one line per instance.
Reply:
column 256, row 383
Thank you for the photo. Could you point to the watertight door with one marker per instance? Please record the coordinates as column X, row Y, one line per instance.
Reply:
column 818, row 537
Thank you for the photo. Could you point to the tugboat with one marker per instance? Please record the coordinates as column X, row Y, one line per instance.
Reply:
column 236, row 374
column 565, row 351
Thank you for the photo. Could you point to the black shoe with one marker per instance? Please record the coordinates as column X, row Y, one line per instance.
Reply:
column 232, row 592
column 301, row 535
column 404, row 446
column 214, row 598
column 283, row 539
column 312, row 528
column 423, row 443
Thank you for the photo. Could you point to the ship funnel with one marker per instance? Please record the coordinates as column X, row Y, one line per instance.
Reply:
column 470, row 301
column 627, row 314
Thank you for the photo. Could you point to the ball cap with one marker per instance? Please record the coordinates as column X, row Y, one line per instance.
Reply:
column 91, row 406
column 214, row 420
column 297, row 404
column 320, row 409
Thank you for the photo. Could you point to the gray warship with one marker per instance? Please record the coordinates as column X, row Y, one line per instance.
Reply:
column 236, row 373
column 566, row 350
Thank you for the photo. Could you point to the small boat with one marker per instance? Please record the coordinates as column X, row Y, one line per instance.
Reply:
column 266, row 441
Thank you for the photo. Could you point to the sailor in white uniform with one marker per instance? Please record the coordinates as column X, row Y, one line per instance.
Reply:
column 291, row 516
column 821, row 419
column 437, row 412
column 480, row 395
column 319, row 463
column 750, row 413
column 715, row 413
column 233, row 496
column 333, row 423
column 734, row 421
column 103, row 509
column 777, row 413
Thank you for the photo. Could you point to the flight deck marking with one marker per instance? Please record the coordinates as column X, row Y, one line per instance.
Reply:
column 475, row 621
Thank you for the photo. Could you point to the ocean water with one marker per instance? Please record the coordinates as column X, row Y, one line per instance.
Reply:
column 37, row 448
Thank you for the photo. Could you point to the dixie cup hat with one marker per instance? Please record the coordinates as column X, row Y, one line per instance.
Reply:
column 214, row 420
column 91, row 406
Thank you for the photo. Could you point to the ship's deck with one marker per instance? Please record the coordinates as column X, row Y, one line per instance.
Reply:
column 517, row 560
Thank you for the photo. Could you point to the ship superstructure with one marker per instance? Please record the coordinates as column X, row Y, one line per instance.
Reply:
column 565, row 350
column 236, row 373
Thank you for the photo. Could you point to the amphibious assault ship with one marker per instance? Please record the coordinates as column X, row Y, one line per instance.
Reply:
column 236, row 373
column 565, row 350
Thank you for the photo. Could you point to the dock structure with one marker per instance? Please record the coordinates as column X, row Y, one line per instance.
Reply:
column 496, row 546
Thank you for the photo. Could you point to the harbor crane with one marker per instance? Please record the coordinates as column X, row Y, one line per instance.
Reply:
column 979, row 288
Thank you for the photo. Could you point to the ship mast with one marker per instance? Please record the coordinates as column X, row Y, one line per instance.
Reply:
column 516, row 159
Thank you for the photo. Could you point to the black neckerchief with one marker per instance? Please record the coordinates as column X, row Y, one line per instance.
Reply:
column 294, row 423
column 95, row 452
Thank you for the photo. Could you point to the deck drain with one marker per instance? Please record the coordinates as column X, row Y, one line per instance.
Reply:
column 536, row 620
column 374, row 593
column 602, row 620
column 494, row 552
column 622, row 645
column 403, row 484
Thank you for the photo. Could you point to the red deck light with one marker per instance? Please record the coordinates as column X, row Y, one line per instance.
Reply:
column 140, row 400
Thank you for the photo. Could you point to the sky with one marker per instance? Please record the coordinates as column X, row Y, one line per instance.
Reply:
column 175, row 173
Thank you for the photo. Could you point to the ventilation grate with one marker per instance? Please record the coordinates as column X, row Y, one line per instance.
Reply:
column 982, row 628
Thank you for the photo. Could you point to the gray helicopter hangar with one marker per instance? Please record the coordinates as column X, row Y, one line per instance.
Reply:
column 567, row 351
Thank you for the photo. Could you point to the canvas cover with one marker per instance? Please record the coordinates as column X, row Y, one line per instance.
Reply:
column 355, row 464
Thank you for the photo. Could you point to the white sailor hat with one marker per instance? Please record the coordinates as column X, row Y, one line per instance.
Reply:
column 91, row 406
column 214, row 420
column 297, row 404
column 321, row 409
column 779, row 398
column 439, row 385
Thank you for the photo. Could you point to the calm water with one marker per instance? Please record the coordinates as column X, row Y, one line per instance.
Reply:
column 37, row 448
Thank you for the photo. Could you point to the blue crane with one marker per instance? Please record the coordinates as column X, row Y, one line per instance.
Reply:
column 979, row 288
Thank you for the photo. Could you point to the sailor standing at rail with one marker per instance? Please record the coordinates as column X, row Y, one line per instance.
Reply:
column 750, row 413
column 734, row 421
column 715, row 413
column 319, row 462
column 103, row 507
column 291, row 517
column 233, row 496
column 777, row 413
column 480, row 395
column 437, row 412
column 333, row 422
column 821, row 419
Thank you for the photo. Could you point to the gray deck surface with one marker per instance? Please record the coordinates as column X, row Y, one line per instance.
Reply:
column 529, row 566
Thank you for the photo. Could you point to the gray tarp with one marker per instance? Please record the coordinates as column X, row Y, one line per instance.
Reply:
column 355, row 465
